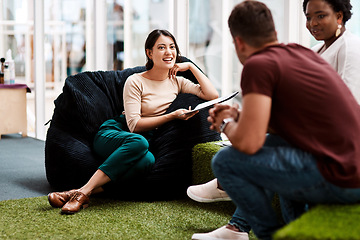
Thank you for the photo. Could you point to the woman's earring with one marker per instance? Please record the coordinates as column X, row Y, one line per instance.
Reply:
column 338, row 30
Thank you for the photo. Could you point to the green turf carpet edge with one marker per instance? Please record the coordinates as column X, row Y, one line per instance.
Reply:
column 34, row 218
column 324, row 222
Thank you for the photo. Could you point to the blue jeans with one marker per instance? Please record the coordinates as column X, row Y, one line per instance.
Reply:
column 252, row 180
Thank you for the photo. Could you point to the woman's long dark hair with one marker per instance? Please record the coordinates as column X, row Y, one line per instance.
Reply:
column 150, row 42
column 337, row 5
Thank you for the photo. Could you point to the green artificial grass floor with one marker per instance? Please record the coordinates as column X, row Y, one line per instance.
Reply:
column 324, row 222
column 34, row 218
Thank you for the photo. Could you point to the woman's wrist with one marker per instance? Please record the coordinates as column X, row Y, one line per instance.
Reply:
column 171, row 116
column 191, row 66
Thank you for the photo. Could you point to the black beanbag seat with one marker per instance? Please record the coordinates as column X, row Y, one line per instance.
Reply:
column 89, row 99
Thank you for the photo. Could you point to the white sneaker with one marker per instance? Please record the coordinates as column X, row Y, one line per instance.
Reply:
column 222, row 233
column 207, row 192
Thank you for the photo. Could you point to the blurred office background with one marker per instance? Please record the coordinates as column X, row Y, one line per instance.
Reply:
column 53, row 39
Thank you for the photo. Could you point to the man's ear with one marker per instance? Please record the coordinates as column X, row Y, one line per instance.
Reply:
column 239, row 43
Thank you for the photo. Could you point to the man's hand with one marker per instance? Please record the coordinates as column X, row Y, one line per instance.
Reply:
column 219, row 112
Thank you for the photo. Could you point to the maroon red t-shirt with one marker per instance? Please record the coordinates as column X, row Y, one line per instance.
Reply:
column 312, row 108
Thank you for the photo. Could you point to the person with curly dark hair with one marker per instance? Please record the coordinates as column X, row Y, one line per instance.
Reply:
column 325, row 20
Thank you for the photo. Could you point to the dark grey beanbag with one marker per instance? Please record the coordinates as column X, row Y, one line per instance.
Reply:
column 89, row 99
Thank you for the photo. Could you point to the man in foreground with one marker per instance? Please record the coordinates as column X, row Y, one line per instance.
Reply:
column 296, row 135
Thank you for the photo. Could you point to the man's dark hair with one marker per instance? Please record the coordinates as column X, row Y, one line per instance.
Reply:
column 337, row 5
column 150, row 42
column 253, row 22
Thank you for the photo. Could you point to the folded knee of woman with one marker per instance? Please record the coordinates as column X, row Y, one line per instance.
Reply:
column 137, row 142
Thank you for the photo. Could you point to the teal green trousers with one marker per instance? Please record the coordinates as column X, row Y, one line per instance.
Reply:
column 126, row 154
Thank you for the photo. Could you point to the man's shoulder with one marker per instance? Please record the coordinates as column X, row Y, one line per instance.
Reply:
column 296, row 51
column 283, row 58
column 299, row 48
column 280, row 50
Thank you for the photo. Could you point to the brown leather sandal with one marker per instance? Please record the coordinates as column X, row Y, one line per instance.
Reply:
column 77, row 202
column 58, row 199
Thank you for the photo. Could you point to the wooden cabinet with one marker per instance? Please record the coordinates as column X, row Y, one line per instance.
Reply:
column 13, row 117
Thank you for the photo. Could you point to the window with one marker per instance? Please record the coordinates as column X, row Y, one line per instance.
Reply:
column 72, row 28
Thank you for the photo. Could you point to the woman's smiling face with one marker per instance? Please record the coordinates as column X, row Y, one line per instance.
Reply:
column 322, row 21
column 163, row 52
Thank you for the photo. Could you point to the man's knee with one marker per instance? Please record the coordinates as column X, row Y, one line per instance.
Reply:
column 219, row 161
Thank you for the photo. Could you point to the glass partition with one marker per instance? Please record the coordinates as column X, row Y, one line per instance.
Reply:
column 354, row 23
column 205, row 37
column 115, row 34
column 146, row 15
column 64, row 40
column 65, row 37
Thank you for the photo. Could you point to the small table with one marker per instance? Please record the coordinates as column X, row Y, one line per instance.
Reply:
column 13, row 117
